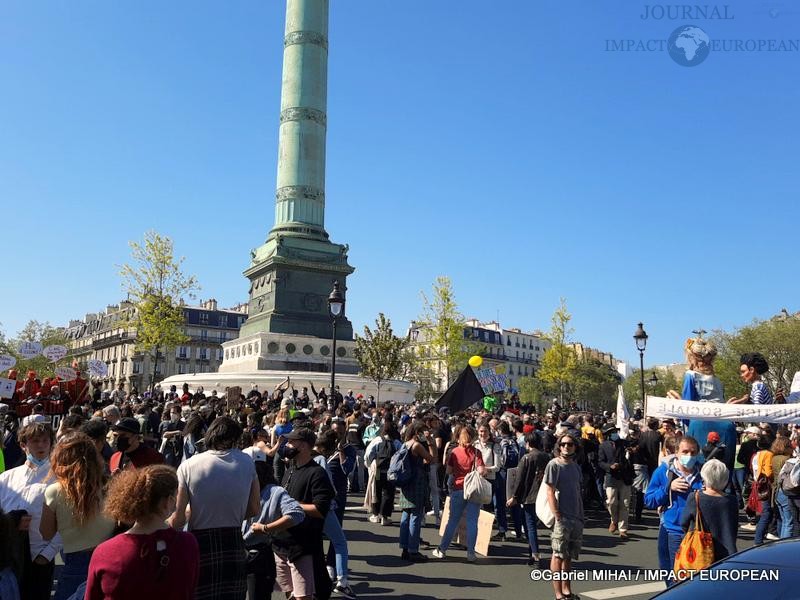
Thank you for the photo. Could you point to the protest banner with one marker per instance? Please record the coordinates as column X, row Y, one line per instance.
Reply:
column 7, row 387
column 233, row 398
column 6, row 362
column 491, row 381
column 28, row 350
column 55, row 353
column 667, row 408
column 66, row 373
column 485, row 524
column 97, row 368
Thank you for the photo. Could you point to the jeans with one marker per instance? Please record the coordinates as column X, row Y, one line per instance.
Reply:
column 763, row 521
column 74, row 573
column 738, row 485
column 530, row 527
column 668, row 544
column 787, row 512
column 333, row 529
column 356, row 477
column 434, row 484
column 411, row 528
column 499, row 490
column 457, row 508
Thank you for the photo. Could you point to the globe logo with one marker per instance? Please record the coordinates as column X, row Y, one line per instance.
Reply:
column 689, row 45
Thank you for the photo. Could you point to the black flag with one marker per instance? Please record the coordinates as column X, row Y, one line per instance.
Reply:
column 465, row 391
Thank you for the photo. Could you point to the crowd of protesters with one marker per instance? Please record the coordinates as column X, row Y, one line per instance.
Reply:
column 187, row 495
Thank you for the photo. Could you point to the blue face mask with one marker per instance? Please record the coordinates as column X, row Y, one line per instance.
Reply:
column 35, row 461
column 614, row 437
column 688, row 461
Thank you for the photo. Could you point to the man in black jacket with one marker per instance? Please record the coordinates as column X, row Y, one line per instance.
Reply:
column 530, row 474
column 613, row 461
column 300, row 552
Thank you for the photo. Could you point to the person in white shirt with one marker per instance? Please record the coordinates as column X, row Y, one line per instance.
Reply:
column 22, row 489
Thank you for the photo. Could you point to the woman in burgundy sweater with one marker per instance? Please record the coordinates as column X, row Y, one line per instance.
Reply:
column 150, row 560
column 460, row 462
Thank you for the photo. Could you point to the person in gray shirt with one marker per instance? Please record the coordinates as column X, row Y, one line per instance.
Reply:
column 221, row 488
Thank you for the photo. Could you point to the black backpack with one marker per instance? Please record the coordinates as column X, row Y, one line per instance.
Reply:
column 383, row 457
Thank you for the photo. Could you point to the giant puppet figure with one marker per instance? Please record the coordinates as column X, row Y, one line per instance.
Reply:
column 701, row 385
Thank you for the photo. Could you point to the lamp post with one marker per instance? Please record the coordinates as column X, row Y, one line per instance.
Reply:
column 641, row 343
column 653, row 381
column 336, row 309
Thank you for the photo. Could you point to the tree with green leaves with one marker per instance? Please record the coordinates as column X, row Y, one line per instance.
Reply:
column 534, row 391
column 155, row 284
column 666, row 380
column 34, row 331
column 380, row 353
column 441, row 331
column 594, row 383
column 559, row 361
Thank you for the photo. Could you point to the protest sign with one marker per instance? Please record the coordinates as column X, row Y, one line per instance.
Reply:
column 7, row 387
column 66, row 373
column 233, row 398
column 97, row 368
column 6, row 362
column 667, row 408
column 29, row 350
column 55, row 353
column 491, row 381
column 485, row 524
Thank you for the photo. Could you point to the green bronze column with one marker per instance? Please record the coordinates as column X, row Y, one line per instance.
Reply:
column 300, row 193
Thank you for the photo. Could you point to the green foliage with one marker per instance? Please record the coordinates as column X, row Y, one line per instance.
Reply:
column 155, row 284
column 442, row 330
column 533, row 390
column 418, row 370
column 594, row 384
column 559, row 363
column 777, row 339
column 380, row 353
column 34, row 331
column 633, row 385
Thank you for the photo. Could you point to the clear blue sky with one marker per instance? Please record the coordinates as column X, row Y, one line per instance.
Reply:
column 495, row 142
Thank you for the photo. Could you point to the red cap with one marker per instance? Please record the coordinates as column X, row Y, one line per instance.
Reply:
column 713, row 436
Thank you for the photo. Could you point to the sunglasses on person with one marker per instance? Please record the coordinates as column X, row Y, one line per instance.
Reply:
column 566, row 444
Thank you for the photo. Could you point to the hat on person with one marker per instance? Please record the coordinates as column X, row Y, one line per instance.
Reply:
column 610, row 429
column 713, row 437
column 286, row 402
column 752, row 429
column 302, row 434
column 128, row 425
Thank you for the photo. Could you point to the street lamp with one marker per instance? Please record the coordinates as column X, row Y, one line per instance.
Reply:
column 653, row 381
column 641, row 343
column 336, row 309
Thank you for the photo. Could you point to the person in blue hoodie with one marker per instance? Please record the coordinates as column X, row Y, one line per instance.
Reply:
column 670, row 486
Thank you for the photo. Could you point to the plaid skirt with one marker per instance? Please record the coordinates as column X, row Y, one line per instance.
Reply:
column 223, row 564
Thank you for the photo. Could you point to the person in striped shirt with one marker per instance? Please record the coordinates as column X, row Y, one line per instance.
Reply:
column 751, row 369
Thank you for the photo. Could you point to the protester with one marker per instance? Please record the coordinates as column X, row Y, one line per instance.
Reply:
column 761, row 467
column 131, row 452
column 378, row 456
column 73, row 507
column 413, row 496
column 618, row 470
column 222, row 487
column 787, row 513
column 461, row 461
column 149, row 560
column 22, row 489
column 531, row 473
column 718, row 511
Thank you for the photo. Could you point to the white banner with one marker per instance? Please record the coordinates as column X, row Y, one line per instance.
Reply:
column 623, row 416
column 55, row 353
column 667, row 408
column 6, row 362
column 97, row 368
column 28, row 350
column 66, row 373
column 7, row 387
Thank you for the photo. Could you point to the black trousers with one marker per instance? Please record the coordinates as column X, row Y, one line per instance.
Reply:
column 260, row 572
column 36, row 582
column 383, row 503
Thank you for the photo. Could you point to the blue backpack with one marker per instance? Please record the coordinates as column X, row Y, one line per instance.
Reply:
column 401, row 468
column 510, row 453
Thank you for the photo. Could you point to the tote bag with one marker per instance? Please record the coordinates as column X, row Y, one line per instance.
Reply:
column 477, row 488
column 696, row 551
column 543, row 511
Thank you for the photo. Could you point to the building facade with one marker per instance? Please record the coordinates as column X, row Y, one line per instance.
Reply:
column 105, row 336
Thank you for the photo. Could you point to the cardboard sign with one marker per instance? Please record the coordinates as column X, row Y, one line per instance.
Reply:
column 55, row 353
column 485, row 524
column 97, row 368
column 7, row 387
column 233, row 397
column 28, row 350
column 491, row 381
column 66, row 373
column 6, row 362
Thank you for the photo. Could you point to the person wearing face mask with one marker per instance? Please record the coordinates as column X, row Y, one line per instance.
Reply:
column 169, row 430
column 150, row 560
column 22, row 489
column 131, row 453
column 618, row 470
column 670, row 486
column 563, row 475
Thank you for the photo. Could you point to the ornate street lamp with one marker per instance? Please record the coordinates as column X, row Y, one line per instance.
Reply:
column 641, row 343
column 336, row 309
column 653, row 381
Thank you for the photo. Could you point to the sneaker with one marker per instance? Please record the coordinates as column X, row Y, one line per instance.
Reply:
column 438, row 553
column 417, row 557
column 748, row 527
column 499, row 536
column 345, row 591
column 374, row 519
column 471, row 557
column 533, row 560
column 386, row 521
column 772, row 536
column 430, row 513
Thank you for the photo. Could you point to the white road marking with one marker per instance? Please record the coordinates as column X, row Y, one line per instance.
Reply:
column 624, row 591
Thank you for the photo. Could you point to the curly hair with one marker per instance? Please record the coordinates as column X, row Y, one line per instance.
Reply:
column 136, row 493
column 755, row 361
column 78, row 468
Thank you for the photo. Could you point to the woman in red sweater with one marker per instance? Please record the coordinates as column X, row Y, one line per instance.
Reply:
column 460, row 462
column 150, row 560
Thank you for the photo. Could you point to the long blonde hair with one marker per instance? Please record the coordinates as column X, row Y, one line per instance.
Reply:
column 78, row 468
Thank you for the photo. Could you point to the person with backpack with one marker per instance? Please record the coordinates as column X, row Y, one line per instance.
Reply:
column 492, row 460
column 408, row 469
column 378, row 457
column 509, row 453
column 787, row 517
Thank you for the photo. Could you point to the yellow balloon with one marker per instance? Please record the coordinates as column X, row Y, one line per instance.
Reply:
column 475, row 361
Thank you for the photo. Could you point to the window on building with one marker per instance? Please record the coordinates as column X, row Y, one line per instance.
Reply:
column 202, row 353
column 137, row 367
column 508, row 341
column 223, row 320
column 204, row 334
column 182, row 352
column 181, row 368
column 219, row 353
column 203, row 318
